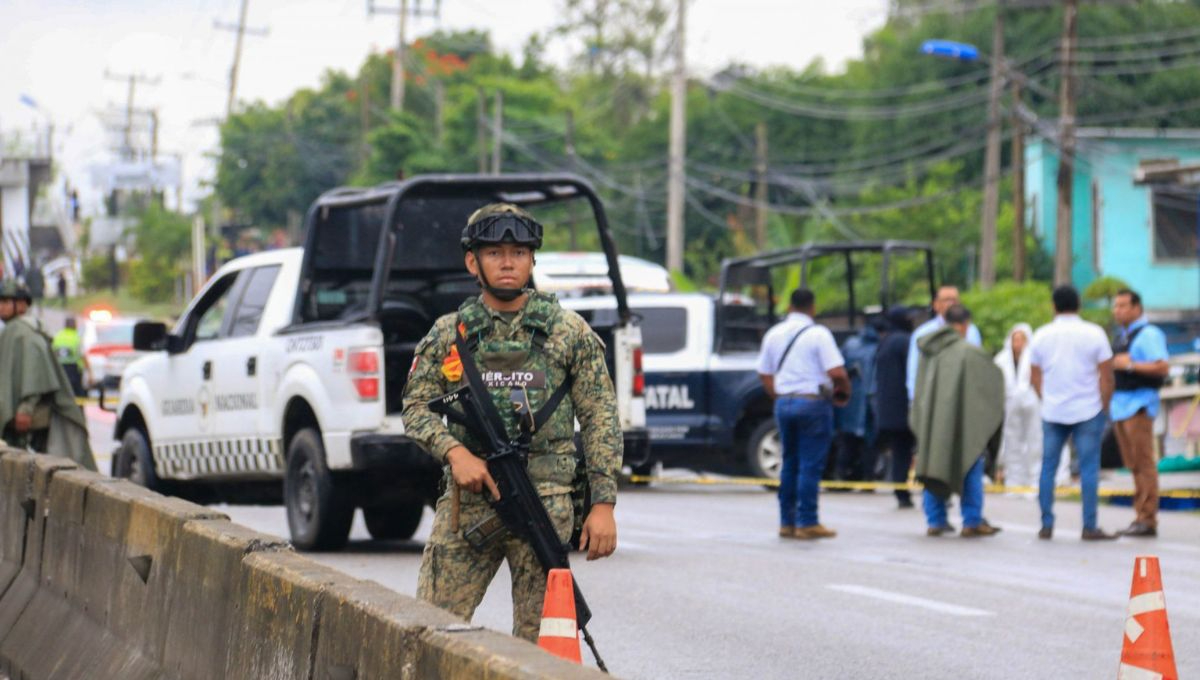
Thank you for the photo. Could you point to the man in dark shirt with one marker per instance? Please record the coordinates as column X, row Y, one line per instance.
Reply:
column 891, row 397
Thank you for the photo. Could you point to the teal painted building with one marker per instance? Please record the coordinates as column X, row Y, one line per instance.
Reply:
column 1144, row 232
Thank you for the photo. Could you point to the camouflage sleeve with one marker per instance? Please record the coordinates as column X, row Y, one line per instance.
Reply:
column 425, row 382
column 595, row 404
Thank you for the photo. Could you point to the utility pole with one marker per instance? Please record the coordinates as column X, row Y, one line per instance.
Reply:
column 398, row 62
column 364, row 117
column 677, row 178
column 153, row 135
column 991, row 162
column 480, row 130
column 1018, row 181
column 569, row 144
column 497, row 130
column 127, row 150
column 398, row 59
column 439, row 113
column 1063, row 257
column 241, row 30
column 760, row 185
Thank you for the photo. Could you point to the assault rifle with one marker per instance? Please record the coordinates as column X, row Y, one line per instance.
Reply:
column 519, row 508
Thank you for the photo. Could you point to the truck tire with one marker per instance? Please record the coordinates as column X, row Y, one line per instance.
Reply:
column 318, row 513
column 133, row 461
column 764, row 452
column 393, row 522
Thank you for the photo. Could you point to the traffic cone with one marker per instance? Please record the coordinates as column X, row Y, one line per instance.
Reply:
column 559, row 635
column 1146, row 653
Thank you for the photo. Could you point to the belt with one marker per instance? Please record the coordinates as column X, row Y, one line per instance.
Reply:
column 797, row 395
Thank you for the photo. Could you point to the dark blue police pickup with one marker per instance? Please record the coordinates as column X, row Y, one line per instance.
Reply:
column 705, row 405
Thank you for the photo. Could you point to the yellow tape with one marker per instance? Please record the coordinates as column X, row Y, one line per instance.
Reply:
column 889, row 486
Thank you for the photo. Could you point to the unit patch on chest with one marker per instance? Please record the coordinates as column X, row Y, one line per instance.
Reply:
column 526, row 379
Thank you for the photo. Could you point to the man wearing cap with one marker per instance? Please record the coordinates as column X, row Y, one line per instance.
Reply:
column 37, row 406
column 1140, row 368
column 510, row 329
column 957, row 416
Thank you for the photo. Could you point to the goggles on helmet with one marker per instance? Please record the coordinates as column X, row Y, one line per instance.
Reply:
column 503, row 228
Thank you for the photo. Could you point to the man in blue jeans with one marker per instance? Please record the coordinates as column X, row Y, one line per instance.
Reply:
column 801, row 368
column 1071, row 370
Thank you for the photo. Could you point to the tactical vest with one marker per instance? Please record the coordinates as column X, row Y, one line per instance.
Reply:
column 66, row 348
column 1128, row 380
column 530, row 357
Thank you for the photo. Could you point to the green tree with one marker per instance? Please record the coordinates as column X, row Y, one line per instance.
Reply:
column 996, row 311
column 163, row 240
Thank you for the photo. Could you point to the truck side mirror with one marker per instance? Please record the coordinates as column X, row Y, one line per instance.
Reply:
column 152, row 336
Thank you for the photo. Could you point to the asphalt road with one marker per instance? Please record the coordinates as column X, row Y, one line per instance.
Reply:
column 701, row 586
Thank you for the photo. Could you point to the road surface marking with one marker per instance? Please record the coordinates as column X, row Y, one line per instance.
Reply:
column 900, row 598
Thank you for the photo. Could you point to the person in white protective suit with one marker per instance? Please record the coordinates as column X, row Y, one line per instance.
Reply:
column 1021, row 449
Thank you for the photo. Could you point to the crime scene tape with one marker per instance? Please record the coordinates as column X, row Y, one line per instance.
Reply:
column 890, row 486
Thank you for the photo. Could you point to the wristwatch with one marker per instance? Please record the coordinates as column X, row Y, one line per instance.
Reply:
column 1129, row 368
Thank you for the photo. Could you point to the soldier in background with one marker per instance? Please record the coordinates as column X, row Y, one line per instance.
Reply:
column 510, row 328
column 37, row 406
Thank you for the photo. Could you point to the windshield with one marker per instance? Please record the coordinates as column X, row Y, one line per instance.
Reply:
column 119, row 333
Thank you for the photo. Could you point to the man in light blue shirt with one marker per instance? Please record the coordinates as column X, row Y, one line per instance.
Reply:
column 947, row 297
column 1140, row 366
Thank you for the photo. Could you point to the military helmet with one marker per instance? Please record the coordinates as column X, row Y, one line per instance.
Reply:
column 501, row 223
column 12, row 289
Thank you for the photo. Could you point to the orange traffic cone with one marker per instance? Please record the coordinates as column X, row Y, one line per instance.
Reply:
column 1147, row 654
column 559, row 635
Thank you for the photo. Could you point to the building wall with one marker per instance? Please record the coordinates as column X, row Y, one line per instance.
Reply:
column 1123, row 236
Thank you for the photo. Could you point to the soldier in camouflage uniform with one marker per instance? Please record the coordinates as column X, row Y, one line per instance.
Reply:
column 519, row 338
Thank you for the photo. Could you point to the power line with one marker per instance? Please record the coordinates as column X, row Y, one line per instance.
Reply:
column 808, row 211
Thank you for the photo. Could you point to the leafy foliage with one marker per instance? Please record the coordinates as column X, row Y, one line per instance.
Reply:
column 163, row 240
column 890, row 147
column 996, row 311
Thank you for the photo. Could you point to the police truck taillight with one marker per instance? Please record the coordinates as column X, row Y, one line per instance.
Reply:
column 363, row 365
column 639, row 378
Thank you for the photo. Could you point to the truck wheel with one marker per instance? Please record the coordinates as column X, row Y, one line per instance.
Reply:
column 318, row 513
column 395, row 522
column 764, row 451
column 134, row 462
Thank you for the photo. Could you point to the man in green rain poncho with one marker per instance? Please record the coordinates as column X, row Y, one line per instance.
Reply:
column 37, row 407
column 957, row 415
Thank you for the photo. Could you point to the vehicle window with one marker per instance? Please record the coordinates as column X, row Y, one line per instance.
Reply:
column 344, row 245
column 254, row 298
column 120, row 333
column 664, row 329
column 206, row 319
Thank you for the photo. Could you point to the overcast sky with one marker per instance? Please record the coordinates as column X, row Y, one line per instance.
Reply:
column 57, row 52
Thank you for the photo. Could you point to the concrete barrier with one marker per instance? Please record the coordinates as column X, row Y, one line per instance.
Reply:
column 100, row 578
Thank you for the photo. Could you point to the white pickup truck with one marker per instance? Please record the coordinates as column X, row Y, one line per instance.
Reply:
column 290, row 365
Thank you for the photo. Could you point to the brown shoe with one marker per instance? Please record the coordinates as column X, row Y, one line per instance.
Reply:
column 1046, row 533
column 815, row 531
column 983, row 529
column 787, row 532
column 939, row 531
column 1139, row 530
column 1097, row 534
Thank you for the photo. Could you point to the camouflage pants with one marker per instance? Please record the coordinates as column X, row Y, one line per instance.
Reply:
column 455, row 576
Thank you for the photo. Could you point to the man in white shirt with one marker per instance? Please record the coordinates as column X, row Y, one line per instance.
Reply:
column 1071, row 370
column 801, row 368
column 947, row 297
